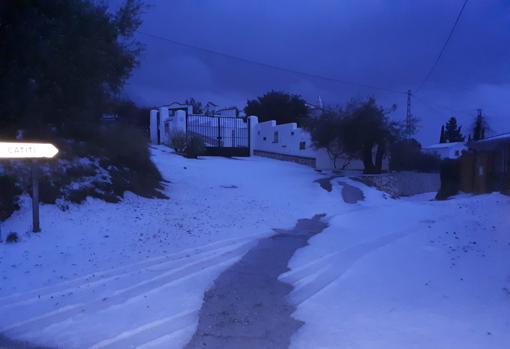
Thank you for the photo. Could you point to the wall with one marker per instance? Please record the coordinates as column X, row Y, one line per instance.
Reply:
column 403, row 183
column 164, row 122
column 290, row 140
column 446, row 150
column 285, row 141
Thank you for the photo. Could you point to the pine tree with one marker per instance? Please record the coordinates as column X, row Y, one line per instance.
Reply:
column 453, row 131
column 442, row 138
column 479, row 126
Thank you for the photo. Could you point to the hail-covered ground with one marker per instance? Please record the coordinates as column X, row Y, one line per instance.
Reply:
column 386, row 273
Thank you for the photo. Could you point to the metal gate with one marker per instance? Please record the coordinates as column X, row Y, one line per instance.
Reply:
column 223, row 136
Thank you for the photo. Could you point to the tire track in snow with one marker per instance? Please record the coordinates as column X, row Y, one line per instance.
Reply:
column 308, row 283
column 125, row 295
column 149, row 332
column 166, row 340
column 101, row 276
column 115, row 277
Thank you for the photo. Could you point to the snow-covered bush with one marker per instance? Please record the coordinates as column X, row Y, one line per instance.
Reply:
column 178, row 142
column 98, row 162
column 195, row 146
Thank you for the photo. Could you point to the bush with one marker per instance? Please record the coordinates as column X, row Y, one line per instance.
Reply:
column 124, row 152
column 178, row 142
column 118, row 161
column 406, row 155
column 450, row 179
column 195, row 146
column 9, row 196
column 12, row 238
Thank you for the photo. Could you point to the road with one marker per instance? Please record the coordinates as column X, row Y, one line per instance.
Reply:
column 247, row 307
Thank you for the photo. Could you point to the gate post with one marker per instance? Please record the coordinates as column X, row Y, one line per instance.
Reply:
column 154, row 126
column 253, row 122
column 163, row 118
column 180, row 121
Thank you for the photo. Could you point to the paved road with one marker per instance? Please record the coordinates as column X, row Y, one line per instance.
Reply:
column 247, row 306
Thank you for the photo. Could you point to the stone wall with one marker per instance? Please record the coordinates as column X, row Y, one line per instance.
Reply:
column 292, row 158
column 403, row 183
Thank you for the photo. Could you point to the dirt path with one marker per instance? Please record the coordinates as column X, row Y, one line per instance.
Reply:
column 247, row 306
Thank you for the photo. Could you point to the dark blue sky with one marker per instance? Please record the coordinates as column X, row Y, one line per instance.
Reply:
column 388, row 43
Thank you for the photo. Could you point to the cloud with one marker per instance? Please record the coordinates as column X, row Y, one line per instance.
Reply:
column 385, row 43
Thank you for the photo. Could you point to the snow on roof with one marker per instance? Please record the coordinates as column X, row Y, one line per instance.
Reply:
column 501, row 137
column 444, row 145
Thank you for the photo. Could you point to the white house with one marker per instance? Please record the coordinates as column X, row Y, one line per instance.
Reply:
column 284, row 141
column 446, row 150
column 289, row 142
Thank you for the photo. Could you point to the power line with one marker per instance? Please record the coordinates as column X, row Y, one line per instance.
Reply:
column 270, row 66
column 443, row 49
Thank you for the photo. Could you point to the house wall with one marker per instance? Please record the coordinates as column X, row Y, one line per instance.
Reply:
column 266, row 138
column 446, row 150
column 290, row 140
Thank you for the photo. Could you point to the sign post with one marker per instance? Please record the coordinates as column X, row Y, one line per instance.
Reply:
column 36, row 227
column 16, row 150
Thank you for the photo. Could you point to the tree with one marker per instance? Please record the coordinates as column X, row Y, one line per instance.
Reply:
column 367, row 128
column 453, row 132
column 442, row 137
column 63, row 61
column 327, row 132
column 406, row 155
column 131, row 114
column 196, row 105
column 355, row 131
column 279, row 106
column 479, row 127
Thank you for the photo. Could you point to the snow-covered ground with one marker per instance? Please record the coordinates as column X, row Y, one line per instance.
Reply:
column 133, row 274
column 387, row 273
column 407, row 274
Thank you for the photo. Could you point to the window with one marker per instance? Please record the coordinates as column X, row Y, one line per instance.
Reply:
column 292, row 133
column 302, row 145
column 275, row 137
column 457, row 153
column 264, row 138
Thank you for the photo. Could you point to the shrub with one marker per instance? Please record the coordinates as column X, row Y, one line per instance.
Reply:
column 195, row 146
column 178, row 142
column 9, row 196
column 12, row 238
column 406, row 155
column 124, row 151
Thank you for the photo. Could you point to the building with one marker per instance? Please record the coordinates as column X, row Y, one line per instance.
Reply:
column 452, row 150
column 490, row 164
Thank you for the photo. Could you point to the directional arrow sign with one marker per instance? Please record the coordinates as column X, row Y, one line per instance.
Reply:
column 17, row 150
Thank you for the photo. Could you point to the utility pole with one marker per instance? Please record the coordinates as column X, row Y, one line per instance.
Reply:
column 409, row 116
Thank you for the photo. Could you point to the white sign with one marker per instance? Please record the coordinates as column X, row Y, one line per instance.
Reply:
column 17, row 150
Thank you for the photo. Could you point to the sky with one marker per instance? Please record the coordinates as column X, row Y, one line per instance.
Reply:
column 390, row 44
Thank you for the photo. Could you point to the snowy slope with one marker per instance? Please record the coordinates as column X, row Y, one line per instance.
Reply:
column 407, row 274
column 133, row 274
